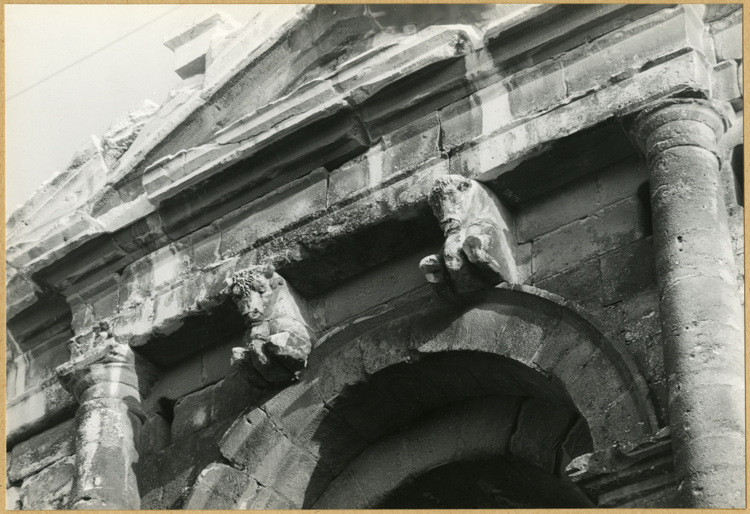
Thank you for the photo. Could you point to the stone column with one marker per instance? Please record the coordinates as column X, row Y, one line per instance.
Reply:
column 701, row 316
column 108, row 383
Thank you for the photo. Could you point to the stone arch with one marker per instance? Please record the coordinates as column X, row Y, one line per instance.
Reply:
column 474, row 430
column 368, row 379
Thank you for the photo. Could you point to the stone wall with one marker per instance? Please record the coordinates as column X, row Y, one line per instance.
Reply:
column 324, row 171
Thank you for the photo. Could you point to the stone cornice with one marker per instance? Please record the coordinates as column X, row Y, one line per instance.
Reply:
column 134, row 228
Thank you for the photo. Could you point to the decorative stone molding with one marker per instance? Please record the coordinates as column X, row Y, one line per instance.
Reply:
column 701, row 314
column 627, row 476
column 479, row 241
column 278, row 342
column 108, row 380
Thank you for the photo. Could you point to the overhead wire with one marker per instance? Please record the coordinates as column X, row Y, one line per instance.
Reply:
column 53, row 74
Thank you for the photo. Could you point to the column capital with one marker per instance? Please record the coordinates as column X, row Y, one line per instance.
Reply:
column 107, row 369
column 675, row 122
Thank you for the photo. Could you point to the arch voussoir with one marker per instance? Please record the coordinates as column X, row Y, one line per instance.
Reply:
column 521, row 345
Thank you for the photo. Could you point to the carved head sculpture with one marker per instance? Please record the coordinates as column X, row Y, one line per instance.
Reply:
column 253, row 290
column 450, row 199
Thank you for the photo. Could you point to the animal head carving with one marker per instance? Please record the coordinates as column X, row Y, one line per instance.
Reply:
column 450, row 200
column 254, row 290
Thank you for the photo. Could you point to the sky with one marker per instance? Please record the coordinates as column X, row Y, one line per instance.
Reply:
column 70, row 70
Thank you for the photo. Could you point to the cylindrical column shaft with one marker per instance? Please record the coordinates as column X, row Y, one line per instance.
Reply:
column 108, row 432
column 701, row 315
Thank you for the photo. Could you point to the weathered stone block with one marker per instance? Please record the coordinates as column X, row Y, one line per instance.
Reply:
column 410, row 146
column 537, row 90
column 621, row 180
column 13, row 498
column 331, row 439
column 249, row 439
column 724, row 84
column 210, row 405
column 300, row 478
column 20, row 291
column 605, row 230
column 581, row 284
column 50, row 488
column 373, row 288
column 36, row 407
column 491, row 155
column 624, row 52
column 289, row 206
column 218, row 487
column 42, row 450
column 357, row 174
column 542, row 428
column 156, row 434
column 628, row 270
column 727, row 34
column 461, row 122
column 558, row 208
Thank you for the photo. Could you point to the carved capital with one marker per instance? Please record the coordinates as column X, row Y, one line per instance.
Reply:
column 479, row 249
column 106, row 370
column 279, row 340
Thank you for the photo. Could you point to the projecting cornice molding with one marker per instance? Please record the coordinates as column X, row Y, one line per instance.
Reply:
column 361, row 116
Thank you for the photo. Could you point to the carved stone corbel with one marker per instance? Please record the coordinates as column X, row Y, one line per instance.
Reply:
column 278, row 340
column 479, row 242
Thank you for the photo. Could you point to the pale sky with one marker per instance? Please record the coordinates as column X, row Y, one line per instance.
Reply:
column 111, row 57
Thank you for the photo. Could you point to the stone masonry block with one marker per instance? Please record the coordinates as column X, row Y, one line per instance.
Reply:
column 155, row 435
column 13, row 498
column 724, row 84
column 410, row 146
column 620, row 180
column 269, row 215
column 557, row 208
column 542, row 428
column 373, row 288
column 628, row 270
column 605, row 230
column 728, row 38
column 50, row 488
column 209, row 405
column 218, row 487
column 249, row 439
column 580, row 198
column 460, row 122
column 537, row 90
column 42, row 450
column 624, row 52
column 331, row 439
column 581, row 284
column 355, row 175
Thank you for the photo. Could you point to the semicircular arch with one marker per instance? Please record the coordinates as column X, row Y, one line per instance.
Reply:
column 516, row 341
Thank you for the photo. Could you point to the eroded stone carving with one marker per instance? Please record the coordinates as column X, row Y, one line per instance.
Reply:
column 278, row 342
column 478, row 249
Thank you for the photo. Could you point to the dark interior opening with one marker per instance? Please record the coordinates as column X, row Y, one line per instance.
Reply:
column 738, row 168
column 498, row 482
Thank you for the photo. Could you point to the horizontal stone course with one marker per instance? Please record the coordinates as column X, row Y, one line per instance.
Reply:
column 605, row 230
column 50, row 488
column 40, row 451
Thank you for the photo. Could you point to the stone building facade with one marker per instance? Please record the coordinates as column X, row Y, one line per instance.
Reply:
column 396, row 256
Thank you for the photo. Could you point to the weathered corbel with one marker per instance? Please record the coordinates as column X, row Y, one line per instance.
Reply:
column 479, row 242
column 278, row 340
